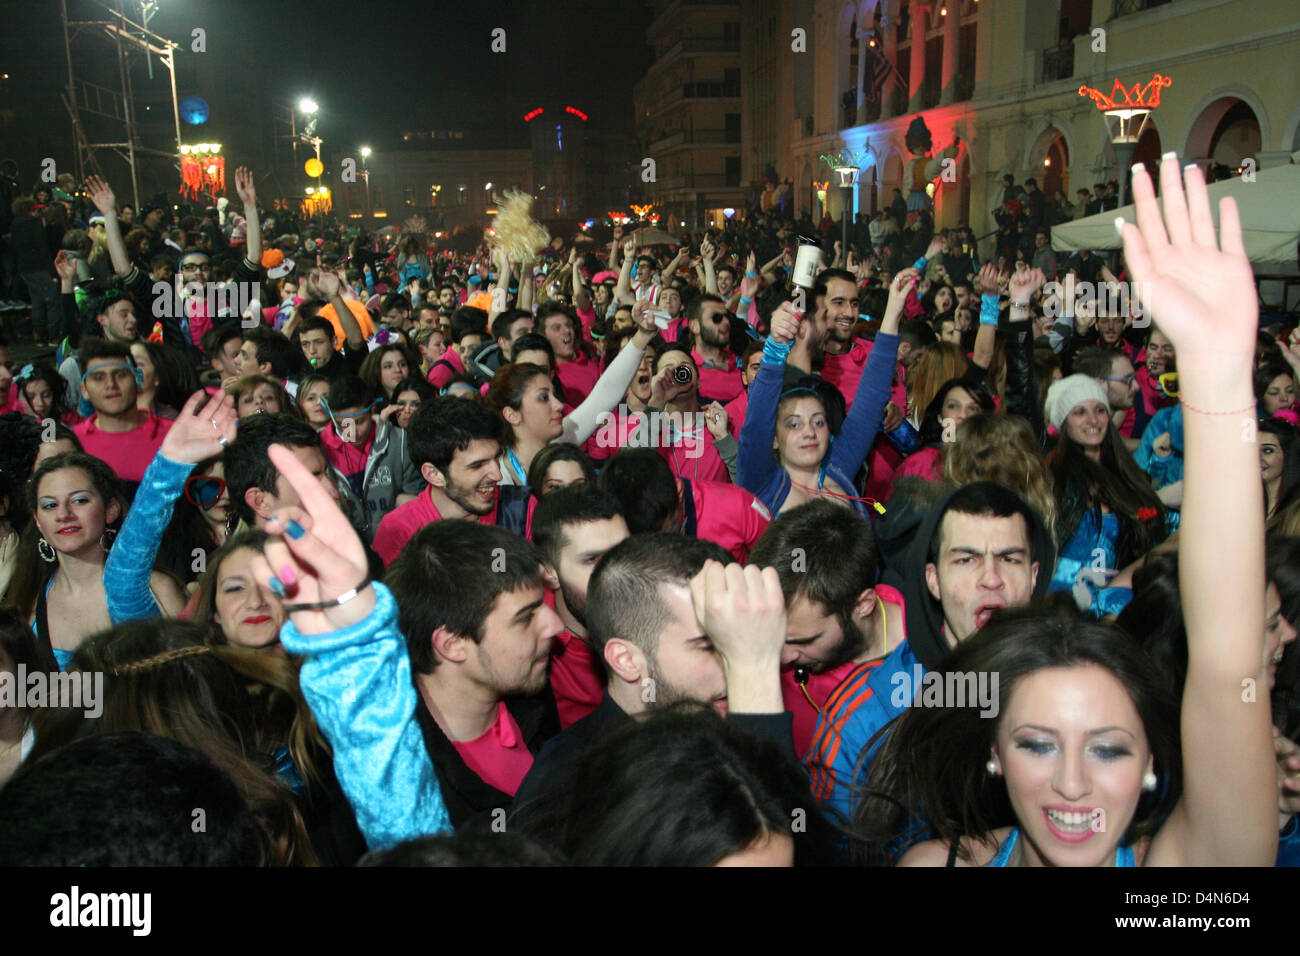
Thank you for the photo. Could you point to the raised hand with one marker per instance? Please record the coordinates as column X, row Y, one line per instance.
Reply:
column 988, row 279
column 244, row 186
column 785, row 323
column 326, row 282
column 742, row 610
column 715, row 419
column 101, row 194
column 642, row 317
column 708, row 250
column 202, row 429
column 749, row 284
column 1202, row 296
column 65, row 267
column 934, row 248
column 305, row 568
column 662, row 388
column 901, row 284
column 1025, row 283
column 629, row 247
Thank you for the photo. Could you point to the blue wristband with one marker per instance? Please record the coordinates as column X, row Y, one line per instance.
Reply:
column 988, row 309
column 919, row 264
column 776, row 353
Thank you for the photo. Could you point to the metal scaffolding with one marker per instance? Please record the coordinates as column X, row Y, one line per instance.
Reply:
column 116, row 104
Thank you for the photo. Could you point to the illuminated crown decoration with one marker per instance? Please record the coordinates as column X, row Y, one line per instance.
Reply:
column 1139, row 98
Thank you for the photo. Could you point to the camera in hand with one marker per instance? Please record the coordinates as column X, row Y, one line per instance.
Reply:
column 682, row 374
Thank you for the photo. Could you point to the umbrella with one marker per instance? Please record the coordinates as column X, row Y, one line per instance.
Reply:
column 654, row 236
column 387, row 231
column 1269, row 208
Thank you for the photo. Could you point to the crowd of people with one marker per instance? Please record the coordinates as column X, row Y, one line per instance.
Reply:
column 629, row 555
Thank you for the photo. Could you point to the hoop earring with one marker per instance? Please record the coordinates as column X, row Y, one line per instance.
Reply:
column 48, row 554
column 110, row 533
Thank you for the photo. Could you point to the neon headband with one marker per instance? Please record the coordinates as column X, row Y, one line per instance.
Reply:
column 118, row 364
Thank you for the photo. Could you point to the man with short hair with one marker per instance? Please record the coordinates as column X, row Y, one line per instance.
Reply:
column 479, row 635
column 223, row 345
column 454, row 444
column 979, row 549
column 395, row 311
column 577, row 373
column 664, row 642
column 840, row 621
column 711, row 331
column 256, row 488
column 575, row 527
column 507, row 328
column 315, row 337
column 468, row 330
column 264, row 351
column 116, row 431
column 653, row 500
column 112, row 317
column 1044, row 257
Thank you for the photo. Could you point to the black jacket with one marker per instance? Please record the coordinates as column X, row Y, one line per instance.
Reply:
column 904, row 534
column 467, row 797
column 538, row 804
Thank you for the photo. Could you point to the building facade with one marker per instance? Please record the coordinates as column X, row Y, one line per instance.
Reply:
column 1002, row 79
column 688, row 112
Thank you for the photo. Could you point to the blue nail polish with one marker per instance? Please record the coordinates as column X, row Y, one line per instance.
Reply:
column 275, row 585
column 293, row 529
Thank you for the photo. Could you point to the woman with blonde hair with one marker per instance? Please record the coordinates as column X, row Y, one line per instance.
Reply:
column 940, row 363
column 1002, row 449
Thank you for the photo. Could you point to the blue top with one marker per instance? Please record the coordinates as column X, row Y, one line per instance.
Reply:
column 63, row 658
column 357, row 682
column 1123, row 854
column 1095, row 547
column 129, row 567
column 1163, row 471
column 757, row 468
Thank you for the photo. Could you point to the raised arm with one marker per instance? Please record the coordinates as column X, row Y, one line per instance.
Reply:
column 202, row 429
column 248, row 194
column 356, row 674
column 101, row 194
column 332, row 288
column 1203, row 298
column 755, row 463
column 862, row 424
column 581, row 423
column 707, row 253
column 623, row 290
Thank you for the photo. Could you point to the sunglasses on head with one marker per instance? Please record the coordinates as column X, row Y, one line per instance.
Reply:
column 204, row 491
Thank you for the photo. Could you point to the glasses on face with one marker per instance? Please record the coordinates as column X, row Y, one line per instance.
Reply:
column 196, row 267
column 1126, row 379
column 204, row 491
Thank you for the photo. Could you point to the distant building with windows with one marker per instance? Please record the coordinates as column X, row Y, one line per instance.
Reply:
column 1004, row 77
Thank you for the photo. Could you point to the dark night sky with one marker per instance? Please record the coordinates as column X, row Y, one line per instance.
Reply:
column 380, row 66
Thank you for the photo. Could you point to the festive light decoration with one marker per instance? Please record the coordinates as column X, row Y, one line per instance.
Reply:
column 195, row 110
column 314, row 167
column 532, row 115
column 573, row 111
column 317, row 203
column 653, row 217
column 641, row 210
column 1139, row 98
column 203, row 170
column 1127, row 111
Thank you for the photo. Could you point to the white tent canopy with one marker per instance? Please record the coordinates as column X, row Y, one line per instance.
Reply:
column 1269, row 209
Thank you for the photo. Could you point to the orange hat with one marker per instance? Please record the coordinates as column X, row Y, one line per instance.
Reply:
column 481, row 300
column 272, row 258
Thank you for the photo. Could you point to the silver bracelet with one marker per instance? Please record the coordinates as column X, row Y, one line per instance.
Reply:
column 1020, row 305
column 343, row 598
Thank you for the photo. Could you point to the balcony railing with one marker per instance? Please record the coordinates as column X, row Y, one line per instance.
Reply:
column 699, row 137
column 1058, row 63
column 1124, row 8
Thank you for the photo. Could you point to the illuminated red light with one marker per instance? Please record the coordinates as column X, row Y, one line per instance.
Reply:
column 532, row 115
column 576, row 112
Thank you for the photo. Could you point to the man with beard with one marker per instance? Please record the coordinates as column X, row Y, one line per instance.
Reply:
column 471, row 606
column 719, row 373
column 574, row 527
column 454, row 444
column 837, row 616
column 645, row 611
column 807, row 353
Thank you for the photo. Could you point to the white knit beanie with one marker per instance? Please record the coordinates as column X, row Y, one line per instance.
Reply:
column 1070, row 391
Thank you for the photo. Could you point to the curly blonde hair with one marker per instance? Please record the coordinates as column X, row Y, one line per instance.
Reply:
column 939, row 363
column 1002, row 449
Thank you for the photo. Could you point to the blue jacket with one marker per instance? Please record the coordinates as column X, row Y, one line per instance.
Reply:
column 129, row 567
column 1163, row 471
column 357, row 682
column 855, row 719
column 757, row 468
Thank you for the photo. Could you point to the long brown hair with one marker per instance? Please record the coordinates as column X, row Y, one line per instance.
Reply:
column 1002, row 449
column 939, row 363
column 161, row 677
column 286, row 718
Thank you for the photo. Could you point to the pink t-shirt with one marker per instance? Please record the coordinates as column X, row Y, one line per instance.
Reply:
column 720, row 382
column 730, row 516
column 821, row 686
column 737, row 408
column 845, row 371
column 577, row 677
column 578, row 378
column 441, row 374
column 127, row 453
column 399, row 525
column 499, row 755
column 690, row 454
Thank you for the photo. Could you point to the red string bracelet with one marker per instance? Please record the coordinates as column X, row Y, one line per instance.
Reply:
column 1201, row 411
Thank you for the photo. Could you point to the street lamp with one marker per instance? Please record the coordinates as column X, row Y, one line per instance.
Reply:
column 1127, row 113
column 847, row 178
column 308, row 105
column 365, row 174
